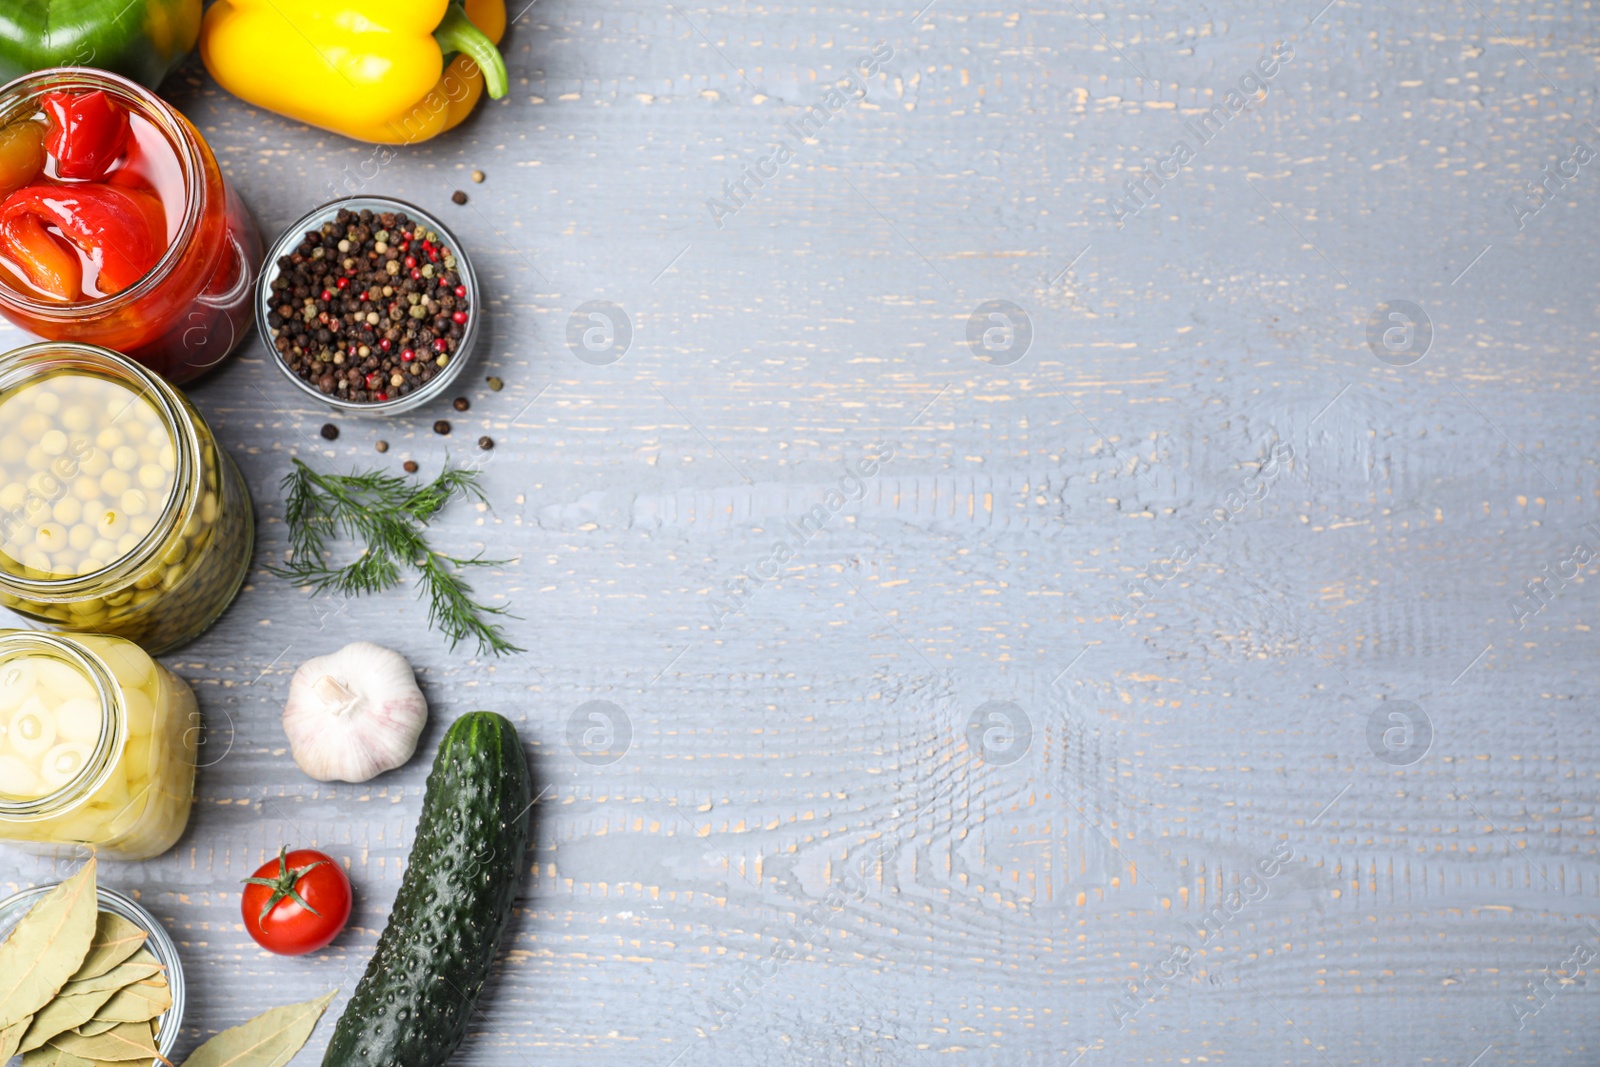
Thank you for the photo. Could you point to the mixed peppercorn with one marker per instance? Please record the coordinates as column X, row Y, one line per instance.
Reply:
column 369, row 308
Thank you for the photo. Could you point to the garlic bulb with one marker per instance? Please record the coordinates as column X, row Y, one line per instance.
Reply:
column 354, row 714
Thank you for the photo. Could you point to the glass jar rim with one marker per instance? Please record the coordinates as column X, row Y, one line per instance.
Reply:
column 168, row 403
column 113, row 724
column 184, row 142
column 158, row 941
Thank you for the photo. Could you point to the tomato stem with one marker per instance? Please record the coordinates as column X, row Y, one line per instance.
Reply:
column 285, row 885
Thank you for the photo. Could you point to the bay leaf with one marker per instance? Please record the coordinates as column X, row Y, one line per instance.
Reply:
column 54, row 1057
column 48, row 946
column 115, row 939
column 136, row 1003
column 62, row 1014
column 118, row 977
column 99, row 1026
column 125, row 1041
column 271, row 1039
column 11, row 1039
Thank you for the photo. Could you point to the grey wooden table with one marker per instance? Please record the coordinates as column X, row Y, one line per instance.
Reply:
column 1173, row 693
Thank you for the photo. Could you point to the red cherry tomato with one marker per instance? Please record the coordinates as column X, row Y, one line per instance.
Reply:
column 297, row 903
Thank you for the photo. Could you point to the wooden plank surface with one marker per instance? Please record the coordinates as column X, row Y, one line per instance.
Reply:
column 940, row 791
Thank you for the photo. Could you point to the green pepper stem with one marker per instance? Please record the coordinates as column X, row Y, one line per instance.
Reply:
column 457, row 34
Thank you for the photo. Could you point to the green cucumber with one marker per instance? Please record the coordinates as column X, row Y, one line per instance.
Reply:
column 411, row 1006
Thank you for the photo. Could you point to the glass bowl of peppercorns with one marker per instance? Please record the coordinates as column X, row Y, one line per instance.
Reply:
column 369, row 305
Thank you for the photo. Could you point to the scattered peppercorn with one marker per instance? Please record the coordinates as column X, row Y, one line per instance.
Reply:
column 382, row 446
column 410, row 466
column 462, row 403
column 330, row 432
column 477, row 176
column 486, row 442
column 459, row 197
column 495, row 384
column 441, row 427
column 369, row 307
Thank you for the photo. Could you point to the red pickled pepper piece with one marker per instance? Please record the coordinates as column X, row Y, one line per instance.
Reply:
column 121, row 232
column 41, row 257
column 87, row 133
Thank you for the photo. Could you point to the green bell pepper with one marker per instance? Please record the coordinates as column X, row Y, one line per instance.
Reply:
column 139, row 39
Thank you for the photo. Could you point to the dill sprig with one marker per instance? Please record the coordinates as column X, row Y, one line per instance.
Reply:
column 386, row 515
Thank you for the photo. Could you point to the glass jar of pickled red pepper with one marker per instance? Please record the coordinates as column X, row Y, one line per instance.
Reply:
column 97, row 745
column 118, row 513
column 116, row 226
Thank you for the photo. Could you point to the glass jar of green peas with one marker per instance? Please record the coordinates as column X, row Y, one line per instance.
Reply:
column 118, row 513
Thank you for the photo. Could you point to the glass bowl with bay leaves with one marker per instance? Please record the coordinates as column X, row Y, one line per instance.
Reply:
column 126, row 993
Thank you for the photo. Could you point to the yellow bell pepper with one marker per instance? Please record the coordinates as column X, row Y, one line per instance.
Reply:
column 373, row 70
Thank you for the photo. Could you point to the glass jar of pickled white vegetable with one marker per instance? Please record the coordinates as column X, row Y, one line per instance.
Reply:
column 97, row 745
column 118, row 513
